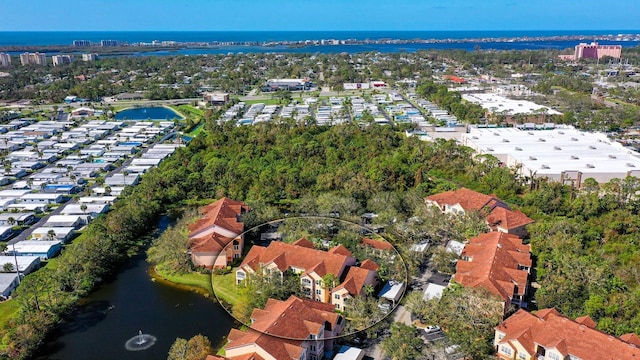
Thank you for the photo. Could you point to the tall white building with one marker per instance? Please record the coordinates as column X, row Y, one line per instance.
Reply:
column 33, row 59
column 5, row 60
column 61, row 59
column 89, row 57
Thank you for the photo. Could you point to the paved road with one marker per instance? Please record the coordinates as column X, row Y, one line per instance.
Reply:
column 402, row 315
column 25, row 234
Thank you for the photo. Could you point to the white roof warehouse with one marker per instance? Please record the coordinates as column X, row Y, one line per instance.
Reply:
column 563, row 154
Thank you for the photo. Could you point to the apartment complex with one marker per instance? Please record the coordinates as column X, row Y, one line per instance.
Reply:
column 216, row 238
column 295, row 329
column 499, row 263
column 497, row 213
column 61, row 59
column 81, row 43
column 89, row 57
column 33, row 59
column 109, row 43
column 5, row 60
column 548, row 335
column 313, row 265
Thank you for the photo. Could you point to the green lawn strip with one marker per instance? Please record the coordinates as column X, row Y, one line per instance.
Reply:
column 7, row 311
column 225, row 286
column 198, row 129
column 192, row 279
column 188, row 110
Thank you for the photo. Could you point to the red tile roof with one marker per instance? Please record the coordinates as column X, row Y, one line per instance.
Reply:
column 354, row 281
column 498, row 214
column 507, row 219
column 468, row 199
column 369, row 265
column 549, row 329
column 377, row 244
column 288, row 255
column 223, row 213
column 340, row 250
column 213, row 243
column 304, row 243
column 631, row 338
column 493, row 264
column 292, row 321
column 586, row 321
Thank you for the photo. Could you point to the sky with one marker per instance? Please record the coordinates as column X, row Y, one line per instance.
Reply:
column 317, row 15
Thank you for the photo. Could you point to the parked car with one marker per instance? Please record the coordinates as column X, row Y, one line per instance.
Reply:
column 431, row 329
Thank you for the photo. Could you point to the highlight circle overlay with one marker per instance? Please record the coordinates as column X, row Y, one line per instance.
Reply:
column 325, row 233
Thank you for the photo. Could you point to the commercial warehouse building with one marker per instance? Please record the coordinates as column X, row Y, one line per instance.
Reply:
column 497, row 104
column 562, row 154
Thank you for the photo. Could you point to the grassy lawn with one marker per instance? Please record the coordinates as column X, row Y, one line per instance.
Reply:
column 192, row 279
column 7, row 310
column 188, row 110
column 195, row 131
column 226, row 287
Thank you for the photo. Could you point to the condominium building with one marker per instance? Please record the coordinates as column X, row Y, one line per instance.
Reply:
column 312, row 265
column 89, row 57
column 497, row 213
column 5, row 60
column 499, row 263
column 61, row 59
column 33, row 59
column 549, row 335
column 595, row 51
column 106, row 43
column 81, row 43
column 212, row 236
column 295, row 329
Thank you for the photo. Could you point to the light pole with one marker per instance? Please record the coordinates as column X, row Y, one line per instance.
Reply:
column 15, row 258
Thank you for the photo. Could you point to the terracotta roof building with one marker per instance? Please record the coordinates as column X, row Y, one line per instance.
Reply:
column 302, row 329
column 498, row 262
column 498, row 214
column 548, row 335
column 313, row 265
column 301, row 258
column 214, row 232
column 354, row 284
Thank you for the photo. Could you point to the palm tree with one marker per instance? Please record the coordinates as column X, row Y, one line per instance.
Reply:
column 51, row 234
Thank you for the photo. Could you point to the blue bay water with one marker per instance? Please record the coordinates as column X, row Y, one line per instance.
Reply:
column 33, row 38
column 455, row 37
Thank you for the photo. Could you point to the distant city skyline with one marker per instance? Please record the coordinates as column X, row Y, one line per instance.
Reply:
column 319, row 15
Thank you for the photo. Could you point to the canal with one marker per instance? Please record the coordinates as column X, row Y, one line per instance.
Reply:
column 131, row 302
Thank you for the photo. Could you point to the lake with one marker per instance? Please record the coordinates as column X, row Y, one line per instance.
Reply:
column 116, row 311
column 147, row 113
